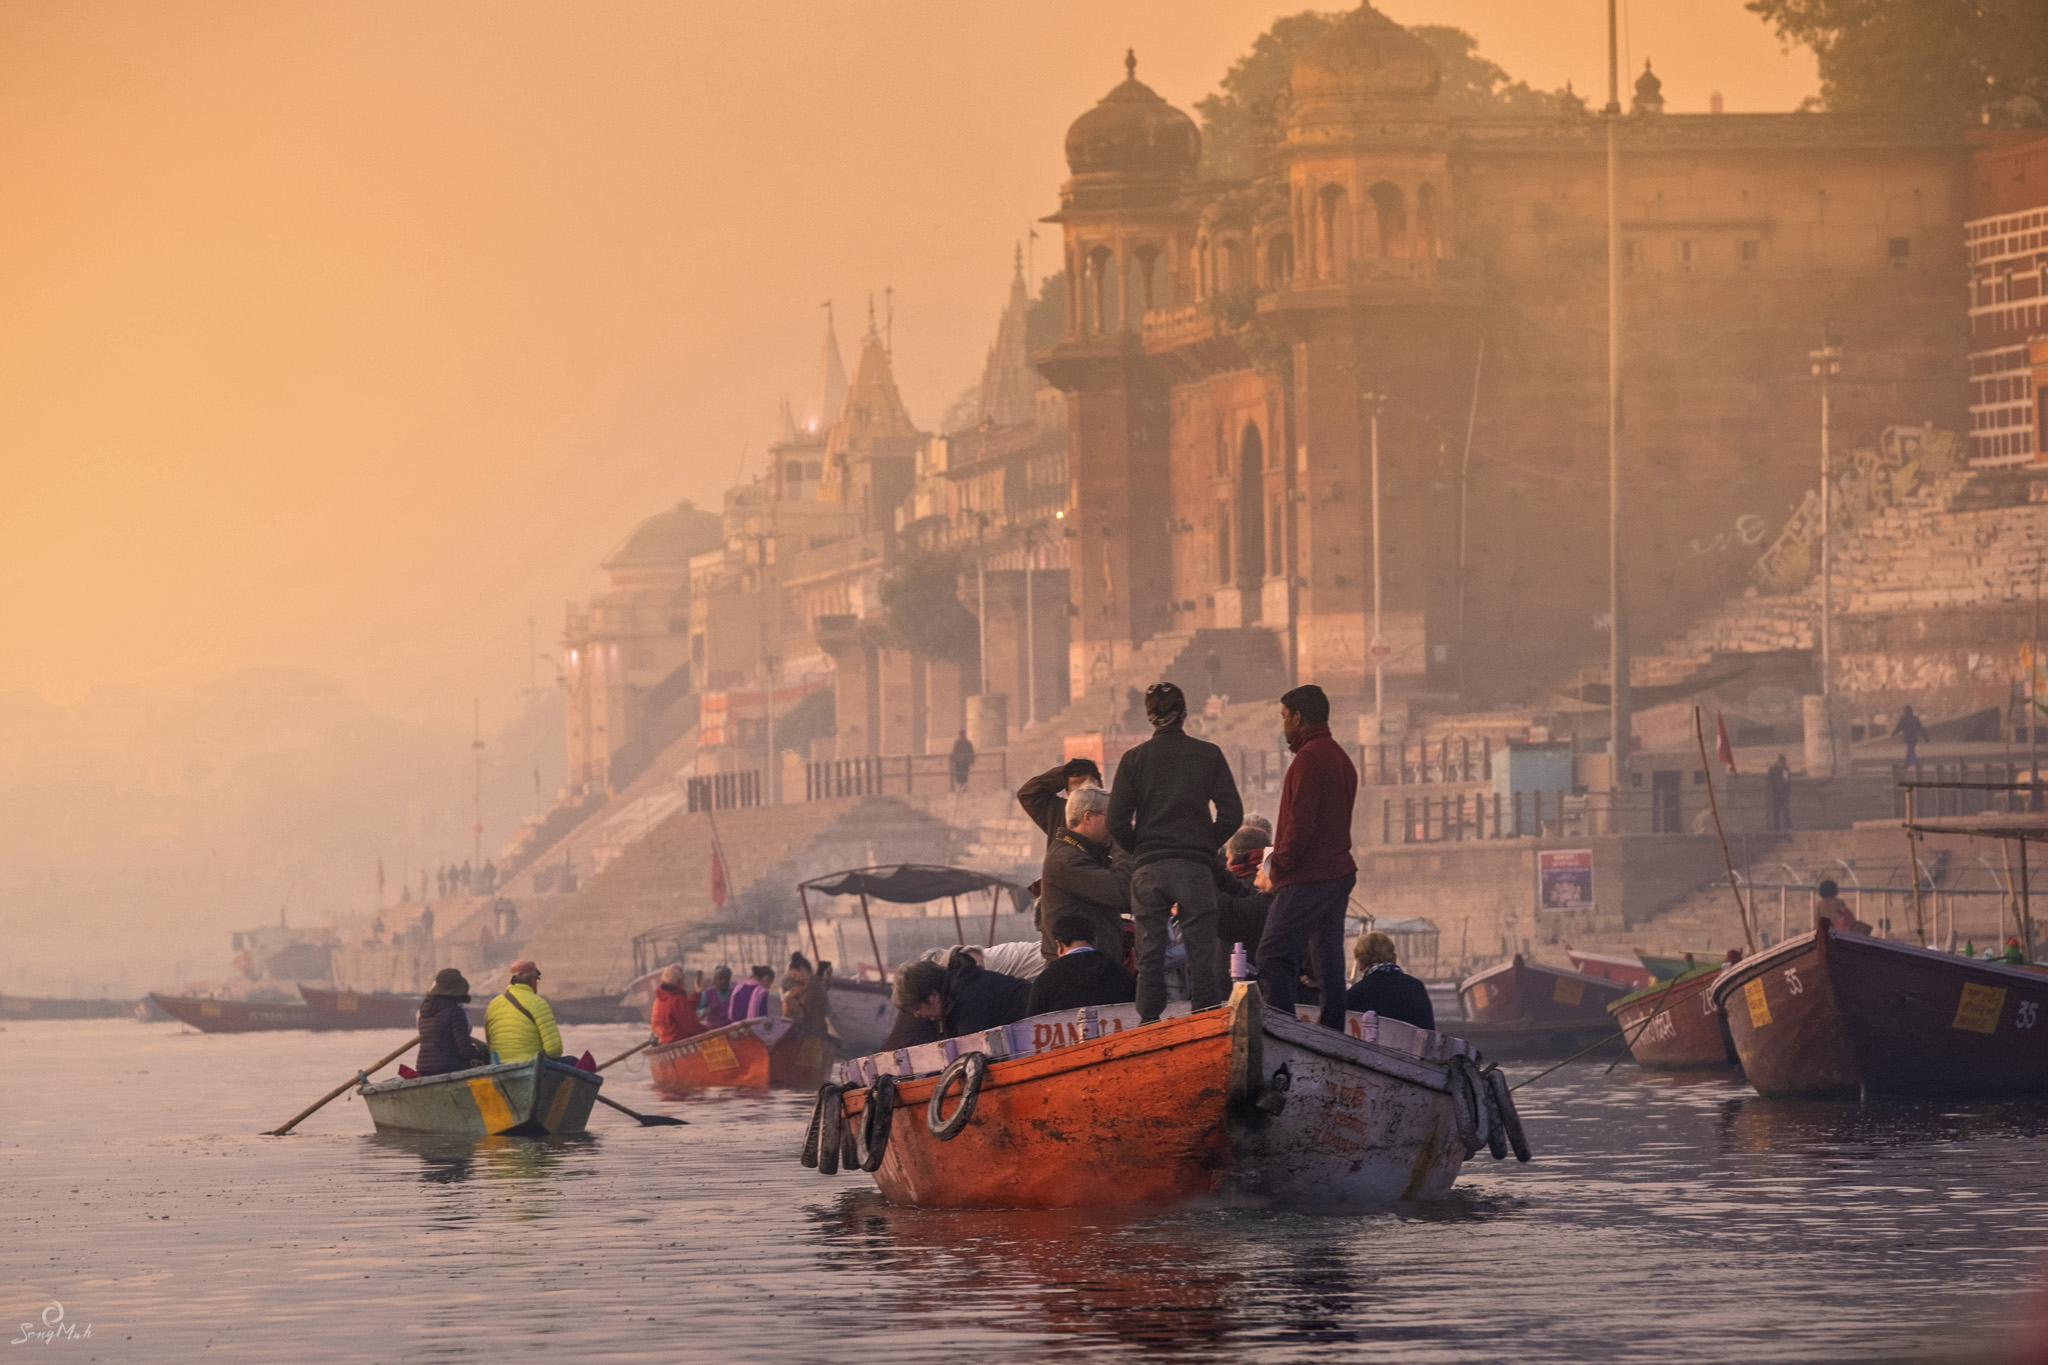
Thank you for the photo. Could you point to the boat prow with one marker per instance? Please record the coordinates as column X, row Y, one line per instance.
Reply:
column 752, row 1054
column 1096, row 1109
column 538, row 1098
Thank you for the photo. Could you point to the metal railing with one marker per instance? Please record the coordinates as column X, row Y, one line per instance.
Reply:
column 1402, row 765
column 723, row 791
column 901, row 775
column 1461, row 817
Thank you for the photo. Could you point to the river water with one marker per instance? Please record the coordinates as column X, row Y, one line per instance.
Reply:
column 1664, row 1219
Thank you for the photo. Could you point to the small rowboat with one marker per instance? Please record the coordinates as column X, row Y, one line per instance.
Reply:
column 1521, row 991
column 361, row 1009
column 1675, row 1025
column 1846, row 1014
column 537, row 1098
column 1095, row 1109
column 753, row 1054
column 234, row 1016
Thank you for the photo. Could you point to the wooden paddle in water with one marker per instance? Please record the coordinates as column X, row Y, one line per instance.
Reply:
column 623, row 1055
column 374, row 1067
column 646, row 1120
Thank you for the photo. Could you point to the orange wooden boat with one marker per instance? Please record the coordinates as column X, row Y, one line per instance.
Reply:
column 752, row 1054
column 1095, row 1109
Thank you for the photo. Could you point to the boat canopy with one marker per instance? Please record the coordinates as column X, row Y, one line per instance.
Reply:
column 906, row 883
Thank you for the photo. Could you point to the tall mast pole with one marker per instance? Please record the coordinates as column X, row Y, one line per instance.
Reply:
column 476, row 828
column 1617, row 611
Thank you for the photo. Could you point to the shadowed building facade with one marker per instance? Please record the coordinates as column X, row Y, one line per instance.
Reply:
column 1228, row 341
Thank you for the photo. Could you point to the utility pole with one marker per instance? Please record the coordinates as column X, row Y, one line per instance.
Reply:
column 476, row 827
column 1379, row 648
column 1827, row 363
column 1030, row 637
column 981, row 603
column 1620, row 727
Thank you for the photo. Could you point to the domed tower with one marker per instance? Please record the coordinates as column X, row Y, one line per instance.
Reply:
column 1365, row 151
column 1127, row 213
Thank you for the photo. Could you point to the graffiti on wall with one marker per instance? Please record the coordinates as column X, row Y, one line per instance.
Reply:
column 1868, row 483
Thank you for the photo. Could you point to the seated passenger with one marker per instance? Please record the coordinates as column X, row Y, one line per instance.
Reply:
column 961, row 997
column 445, row 1041
column 714, row 1004
column 750, row 997
column 1080, row 975
column 1828, row 905
column 674, row 1014
column 807, row 994
column 1384, row 988
column 518, row 1022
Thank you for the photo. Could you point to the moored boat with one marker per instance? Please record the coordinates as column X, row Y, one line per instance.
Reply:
column 1093, row 1108
column 338, row 1009
column 1629, row 971
column 537, row 1098
column 751, row 1054
column 1847, row 1014
column 1675, row 1025
column 48, row 1007
column 1521, row 991
column 233, row 1016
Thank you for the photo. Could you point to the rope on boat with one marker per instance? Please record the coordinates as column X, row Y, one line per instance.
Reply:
column 971, row 1069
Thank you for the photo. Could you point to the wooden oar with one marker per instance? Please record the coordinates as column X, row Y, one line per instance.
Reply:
column 646, row 1120
column 376, row 1066
column 623, row 1055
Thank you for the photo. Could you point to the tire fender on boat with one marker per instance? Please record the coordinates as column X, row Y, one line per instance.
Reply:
column 876, row 1121
column 831, row 1129
column 1504, row 1111
column 810, row 1153
column 970, row 1069
column 1468, row 1097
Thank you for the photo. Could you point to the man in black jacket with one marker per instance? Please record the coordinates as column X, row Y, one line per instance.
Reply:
column 1080, row 975
column 1160, row 812
column 1044, row 797
column 1083, row 875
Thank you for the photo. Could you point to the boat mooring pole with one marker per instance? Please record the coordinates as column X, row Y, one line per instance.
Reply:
column 1913, row 867
column 2026, row 908
column 880, row 966
column 959, row 930
column 804, row 897
column 1727, row 860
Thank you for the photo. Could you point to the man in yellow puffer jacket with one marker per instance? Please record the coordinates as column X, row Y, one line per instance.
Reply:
column 518, row 1023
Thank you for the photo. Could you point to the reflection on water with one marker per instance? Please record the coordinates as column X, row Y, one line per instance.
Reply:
column 1666, row 1218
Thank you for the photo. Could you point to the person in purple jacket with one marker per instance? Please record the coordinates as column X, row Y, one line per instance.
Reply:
column 716, row 1007
column 750, row 997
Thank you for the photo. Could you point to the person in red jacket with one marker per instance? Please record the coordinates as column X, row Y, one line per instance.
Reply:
column 675, row 1010
column 1309, row 868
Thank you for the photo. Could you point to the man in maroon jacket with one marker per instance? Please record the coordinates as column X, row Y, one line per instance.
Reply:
column 1309, row 866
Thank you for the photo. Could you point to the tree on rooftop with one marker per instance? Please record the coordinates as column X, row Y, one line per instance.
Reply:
column 1237, row 120
column 922, row 611
column 1957, row 61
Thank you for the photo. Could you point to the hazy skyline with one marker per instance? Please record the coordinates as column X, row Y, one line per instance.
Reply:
column 346, row 338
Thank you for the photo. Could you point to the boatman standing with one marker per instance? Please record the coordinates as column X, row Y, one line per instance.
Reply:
column 518, row 1022
column 1310, row 868
column 1171, row 807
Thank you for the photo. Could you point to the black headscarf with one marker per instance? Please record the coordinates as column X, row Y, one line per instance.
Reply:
column 1165, row 705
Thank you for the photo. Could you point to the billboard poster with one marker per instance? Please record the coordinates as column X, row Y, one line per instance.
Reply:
column 1564, row 879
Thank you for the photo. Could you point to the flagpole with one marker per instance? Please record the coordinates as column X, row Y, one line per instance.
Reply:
column 718, row 860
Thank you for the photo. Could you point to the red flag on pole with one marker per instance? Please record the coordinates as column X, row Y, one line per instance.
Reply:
column 1724, row 752
column 717, row 877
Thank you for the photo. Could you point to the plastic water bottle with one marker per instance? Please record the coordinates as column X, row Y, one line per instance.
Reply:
column 1240, row 963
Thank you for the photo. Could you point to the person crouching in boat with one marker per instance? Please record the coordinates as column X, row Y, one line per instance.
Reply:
column 1384, row 988
column 962, row 997
column 518, row 1022
column 1831, row 909
column 1080, row 975
column 674, row 1014
column 445, row 1041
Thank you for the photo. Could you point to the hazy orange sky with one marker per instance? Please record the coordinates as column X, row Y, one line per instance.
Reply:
column 345, row 336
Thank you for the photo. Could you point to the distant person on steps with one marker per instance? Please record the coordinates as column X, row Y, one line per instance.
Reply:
column 518, row 1023
column 1913, row 732
column 960, row 763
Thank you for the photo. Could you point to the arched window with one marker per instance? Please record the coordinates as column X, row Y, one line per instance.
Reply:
column 1427, row 242
column 793, row 471
column 1392, row 212
column 1231, row 273
column 1251, row 540
column 1148, row 292
column 1104, row 307
column 1203, row 283
column 1279, row 261
column 1333, row 233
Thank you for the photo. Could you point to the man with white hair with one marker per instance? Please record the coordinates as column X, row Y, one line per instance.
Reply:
column 1082, row 875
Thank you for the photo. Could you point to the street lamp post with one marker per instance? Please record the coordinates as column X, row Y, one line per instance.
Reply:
column 1030, row 637
column 1620, row 729
column 1379, row 648
column 1826, row 364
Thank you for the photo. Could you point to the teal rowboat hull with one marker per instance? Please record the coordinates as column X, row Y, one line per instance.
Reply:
column 537, row 1098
